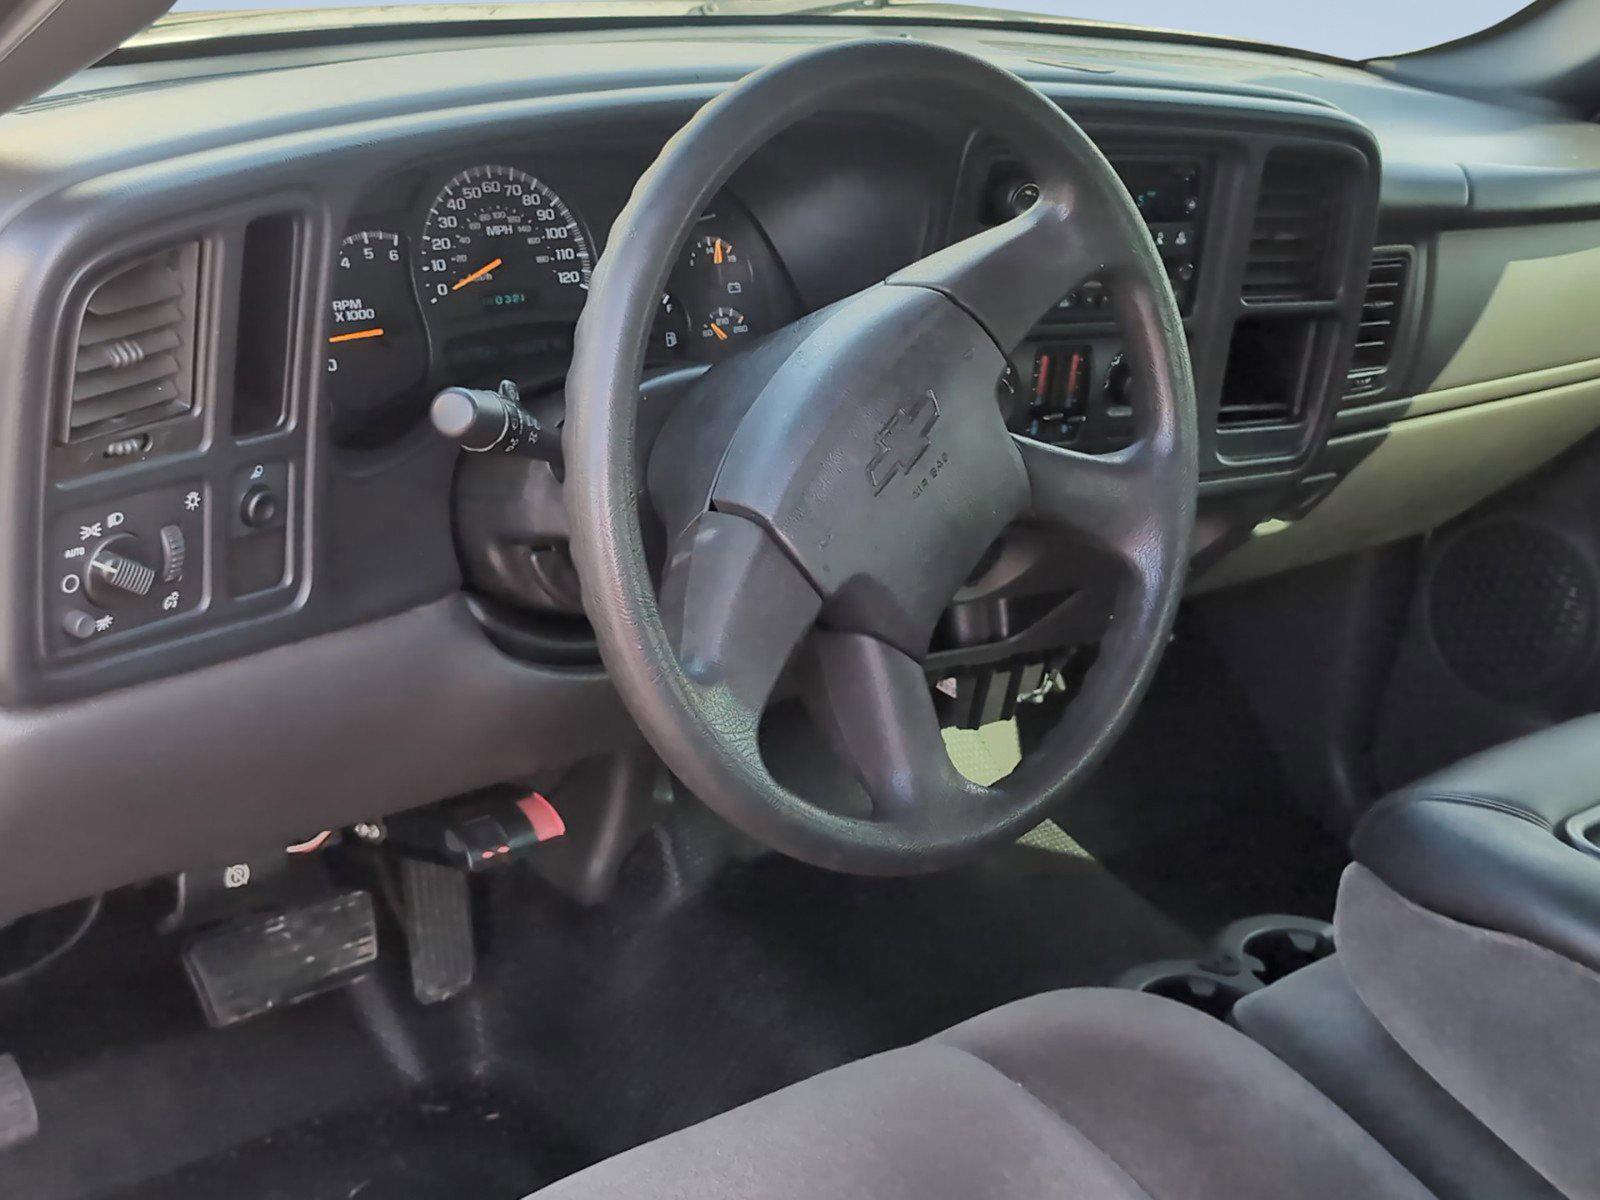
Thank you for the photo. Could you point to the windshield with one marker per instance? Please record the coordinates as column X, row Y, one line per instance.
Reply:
column 1350, row 29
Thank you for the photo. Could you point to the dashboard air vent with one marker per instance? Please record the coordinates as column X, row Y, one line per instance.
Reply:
column 1382, row 306
column 133, row 361
column 1293, row 228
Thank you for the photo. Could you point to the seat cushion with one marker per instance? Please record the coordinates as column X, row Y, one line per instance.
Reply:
column 1092, row 1094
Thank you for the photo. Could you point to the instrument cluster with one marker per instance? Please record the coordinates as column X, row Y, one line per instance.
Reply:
column 482, row 278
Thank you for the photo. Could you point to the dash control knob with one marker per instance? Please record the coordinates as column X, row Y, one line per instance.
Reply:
column 259, row 507
column 78, row 625
column 173, row 552
column 113, row 572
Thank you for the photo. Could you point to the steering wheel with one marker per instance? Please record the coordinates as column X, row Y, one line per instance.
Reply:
column 826, row 493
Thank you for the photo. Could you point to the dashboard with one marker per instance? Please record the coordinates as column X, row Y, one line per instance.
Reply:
column 480, row 270
column 245, row 578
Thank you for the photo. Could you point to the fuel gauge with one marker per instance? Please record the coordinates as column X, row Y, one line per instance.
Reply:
column 669, row 337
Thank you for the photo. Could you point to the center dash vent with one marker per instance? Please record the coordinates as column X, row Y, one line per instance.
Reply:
column 1382, row 307
column 133, row 361
column 1293, row 230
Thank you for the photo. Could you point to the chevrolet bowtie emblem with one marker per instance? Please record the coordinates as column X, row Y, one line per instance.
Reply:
column 903, row 440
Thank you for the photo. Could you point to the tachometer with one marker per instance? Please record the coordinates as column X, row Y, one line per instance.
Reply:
column 375, row 343
column 497, row 240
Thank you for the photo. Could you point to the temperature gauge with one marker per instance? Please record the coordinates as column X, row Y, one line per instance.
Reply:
column 723, row 327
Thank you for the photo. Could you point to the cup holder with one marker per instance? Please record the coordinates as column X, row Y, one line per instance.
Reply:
column 1276, row 945
column 1210, row 995
column 1245, row 957
column 1284, row 951
column 1213, row 984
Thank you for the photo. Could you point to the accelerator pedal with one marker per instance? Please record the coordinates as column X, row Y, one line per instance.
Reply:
column 251, row 965
column 438, row 850
column 438, row 924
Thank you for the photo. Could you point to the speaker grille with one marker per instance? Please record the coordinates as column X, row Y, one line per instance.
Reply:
column 1512, row 606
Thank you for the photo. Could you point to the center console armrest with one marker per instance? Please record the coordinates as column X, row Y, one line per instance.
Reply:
column 1501, row 840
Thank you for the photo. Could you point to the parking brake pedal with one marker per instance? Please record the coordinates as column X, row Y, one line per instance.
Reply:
column 257, row 963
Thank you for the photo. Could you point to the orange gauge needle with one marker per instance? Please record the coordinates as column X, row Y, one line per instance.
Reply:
column 721, row 336
column 716, row 253
column 476, row 275
column 355, row 337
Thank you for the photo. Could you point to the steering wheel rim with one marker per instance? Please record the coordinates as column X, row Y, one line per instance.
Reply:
column 743, row 572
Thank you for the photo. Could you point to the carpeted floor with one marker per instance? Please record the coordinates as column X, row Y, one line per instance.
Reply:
column 590, row 1031
column 1192, row 811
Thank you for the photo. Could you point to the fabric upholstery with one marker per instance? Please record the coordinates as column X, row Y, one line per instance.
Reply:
column 1089, row 1095
column 1504, row 1025
column 1314, row 1021
column 1481, row 841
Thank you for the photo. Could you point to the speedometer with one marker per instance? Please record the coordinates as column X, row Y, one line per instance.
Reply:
column 497, row 240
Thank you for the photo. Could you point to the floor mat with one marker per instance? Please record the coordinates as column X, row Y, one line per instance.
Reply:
column 1192, row 811
column 437, row 1143
column 782, row 971
column 589, row 1031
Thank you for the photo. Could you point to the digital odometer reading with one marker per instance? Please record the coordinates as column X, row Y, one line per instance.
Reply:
column 497, row 232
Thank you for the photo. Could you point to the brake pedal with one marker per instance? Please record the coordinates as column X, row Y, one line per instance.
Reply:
column 254, row 964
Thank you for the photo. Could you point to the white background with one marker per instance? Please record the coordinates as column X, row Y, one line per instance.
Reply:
column 1346, row 28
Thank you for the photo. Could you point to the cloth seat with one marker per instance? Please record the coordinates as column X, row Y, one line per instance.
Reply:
column 1469, row 925
column 1088, row 1094
column 1314, row 1021
column 1453, row 1023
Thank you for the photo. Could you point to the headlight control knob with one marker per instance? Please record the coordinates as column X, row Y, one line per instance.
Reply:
column 114, row 572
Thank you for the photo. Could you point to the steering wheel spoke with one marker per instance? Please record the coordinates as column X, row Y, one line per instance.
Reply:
column 735, row 608
column 1010, row 276
column 1107, row 501
column 873, row 704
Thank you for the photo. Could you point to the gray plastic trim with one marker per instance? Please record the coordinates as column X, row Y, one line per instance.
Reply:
column 247, row 756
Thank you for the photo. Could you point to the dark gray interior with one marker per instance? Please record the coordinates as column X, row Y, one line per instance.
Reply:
column 365, row 531
column 597, row 601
